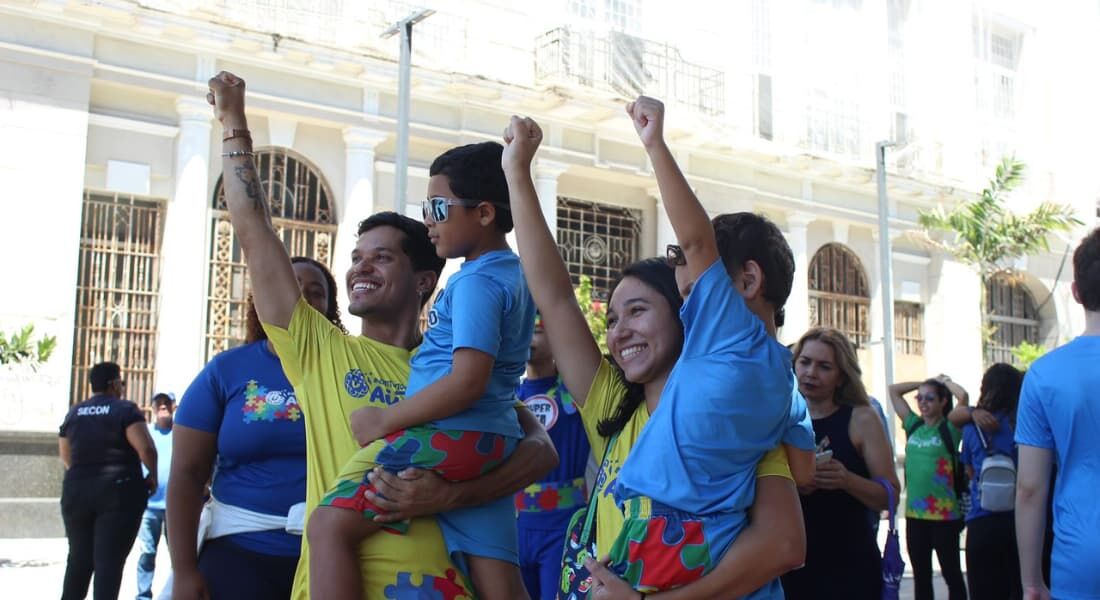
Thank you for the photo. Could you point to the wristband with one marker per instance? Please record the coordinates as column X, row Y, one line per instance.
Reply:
column 229, row 134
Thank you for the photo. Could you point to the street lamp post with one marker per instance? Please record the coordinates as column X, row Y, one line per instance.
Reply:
column 886, row 272
column 403, row 27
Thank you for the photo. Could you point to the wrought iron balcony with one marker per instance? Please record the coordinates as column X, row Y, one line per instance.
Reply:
column 629, row 66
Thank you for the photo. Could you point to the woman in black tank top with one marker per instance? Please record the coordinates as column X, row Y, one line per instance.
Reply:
column 842, row 555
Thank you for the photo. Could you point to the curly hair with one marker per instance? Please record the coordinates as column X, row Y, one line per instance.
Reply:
column 254, row 331
column 661, row 278
column 473, row 172
column 851, row 391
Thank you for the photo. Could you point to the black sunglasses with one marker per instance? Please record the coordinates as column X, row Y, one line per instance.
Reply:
column 674, row 256
column 437, row 208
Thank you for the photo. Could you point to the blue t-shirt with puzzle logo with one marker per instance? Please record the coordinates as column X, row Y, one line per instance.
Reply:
column 486, row 306
column 244, row 398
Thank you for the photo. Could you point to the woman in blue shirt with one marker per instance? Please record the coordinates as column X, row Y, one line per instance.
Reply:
column 241, row 416
column 992, row 565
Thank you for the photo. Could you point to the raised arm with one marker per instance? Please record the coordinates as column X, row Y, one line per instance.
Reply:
column 963, row 415
column 575, row 351
column 417, row 492
column 897, row 398
column 274, row 286
column 689, row 220
column 193, row 453
column 956, row 389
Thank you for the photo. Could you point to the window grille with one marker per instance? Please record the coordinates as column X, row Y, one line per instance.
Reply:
column 838, row 293
column 909, row 328
column 117, row 292
column 1012, row 315
column 597, row 240
column 301, row 211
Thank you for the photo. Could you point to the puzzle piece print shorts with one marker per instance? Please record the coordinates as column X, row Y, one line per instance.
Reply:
column 660, row 548
column 455, row 455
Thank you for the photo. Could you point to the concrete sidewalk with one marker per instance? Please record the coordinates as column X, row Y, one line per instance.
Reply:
column 32, row 569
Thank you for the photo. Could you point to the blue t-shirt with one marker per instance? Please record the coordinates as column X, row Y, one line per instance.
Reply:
column 1059, row 411
column 162, row 439
column 727, row 402
column 800, row 427
column 243, row 397
column 973, row 453
column 556, row 496
column 486, row 306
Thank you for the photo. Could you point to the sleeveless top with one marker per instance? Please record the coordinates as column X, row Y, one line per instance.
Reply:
column 842, row 555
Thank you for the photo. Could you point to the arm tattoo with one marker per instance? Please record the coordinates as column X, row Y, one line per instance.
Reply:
column 246, row 174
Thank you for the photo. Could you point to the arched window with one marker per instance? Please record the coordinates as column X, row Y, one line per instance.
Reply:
column 838, row 293
column 1012, row 315
column 301, row 211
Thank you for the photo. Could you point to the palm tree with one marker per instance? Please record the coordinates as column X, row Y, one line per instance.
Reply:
column 988, row 236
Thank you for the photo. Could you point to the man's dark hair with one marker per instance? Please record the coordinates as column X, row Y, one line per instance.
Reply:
column 164, row 399
column 416, row 245
column 746, row 236
column 1086, row 270
column 102, row 375
column 1000, row 391
column 474, row 173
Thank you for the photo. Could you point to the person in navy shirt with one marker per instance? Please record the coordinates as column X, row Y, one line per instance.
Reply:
column 103, row 444
column 1057, row 422
column 545, row 507
column 239, row 421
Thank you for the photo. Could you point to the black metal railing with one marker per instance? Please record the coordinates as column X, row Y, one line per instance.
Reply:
column 627, row 65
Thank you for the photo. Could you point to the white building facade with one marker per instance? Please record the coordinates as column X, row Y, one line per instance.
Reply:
column 120, row 246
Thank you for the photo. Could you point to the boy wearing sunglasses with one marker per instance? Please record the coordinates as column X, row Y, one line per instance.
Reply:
column 459, row 416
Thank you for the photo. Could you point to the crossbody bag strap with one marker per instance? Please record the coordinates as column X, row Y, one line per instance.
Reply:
column 590, row 513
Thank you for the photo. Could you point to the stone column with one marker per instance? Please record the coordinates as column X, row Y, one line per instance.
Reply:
column 798, row 303
column 358, row 204
column 547, row 173
column 181, row 326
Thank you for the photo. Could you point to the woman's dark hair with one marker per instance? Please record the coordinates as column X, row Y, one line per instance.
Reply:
column 1001, row 389
column 661, row 278
column 254, row 331
column 942, row 392
column 102, row 374
column 745, row 236
column 474, row 173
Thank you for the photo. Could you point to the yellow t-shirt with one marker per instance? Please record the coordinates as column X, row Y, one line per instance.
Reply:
column 333, row 375
column 603, row 398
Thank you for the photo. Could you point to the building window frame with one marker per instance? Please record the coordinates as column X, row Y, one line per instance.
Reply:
column 838, row 293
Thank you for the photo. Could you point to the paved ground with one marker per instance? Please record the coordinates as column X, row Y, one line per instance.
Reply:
column 33, row 569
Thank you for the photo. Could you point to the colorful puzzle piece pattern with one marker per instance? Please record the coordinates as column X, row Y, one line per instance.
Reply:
column 661, row 553
column 430, row 588
column 264, row 405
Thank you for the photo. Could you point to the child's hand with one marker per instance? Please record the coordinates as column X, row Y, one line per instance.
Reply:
column 369, row 424
column 648, row 115
column 227, row 97
column 522, row 137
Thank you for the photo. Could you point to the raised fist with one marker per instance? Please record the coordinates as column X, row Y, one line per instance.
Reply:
column 227, row 97
column 522, row 137
column 648, row 115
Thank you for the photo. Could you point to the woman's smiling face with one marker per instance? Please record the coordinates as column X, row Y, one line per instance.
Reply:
column 643, row 333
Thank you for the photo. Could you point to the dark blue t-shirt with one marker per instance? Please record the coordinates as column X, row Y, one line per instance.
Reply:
column 549, row 400
column 243, row 396
column 96, row 430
